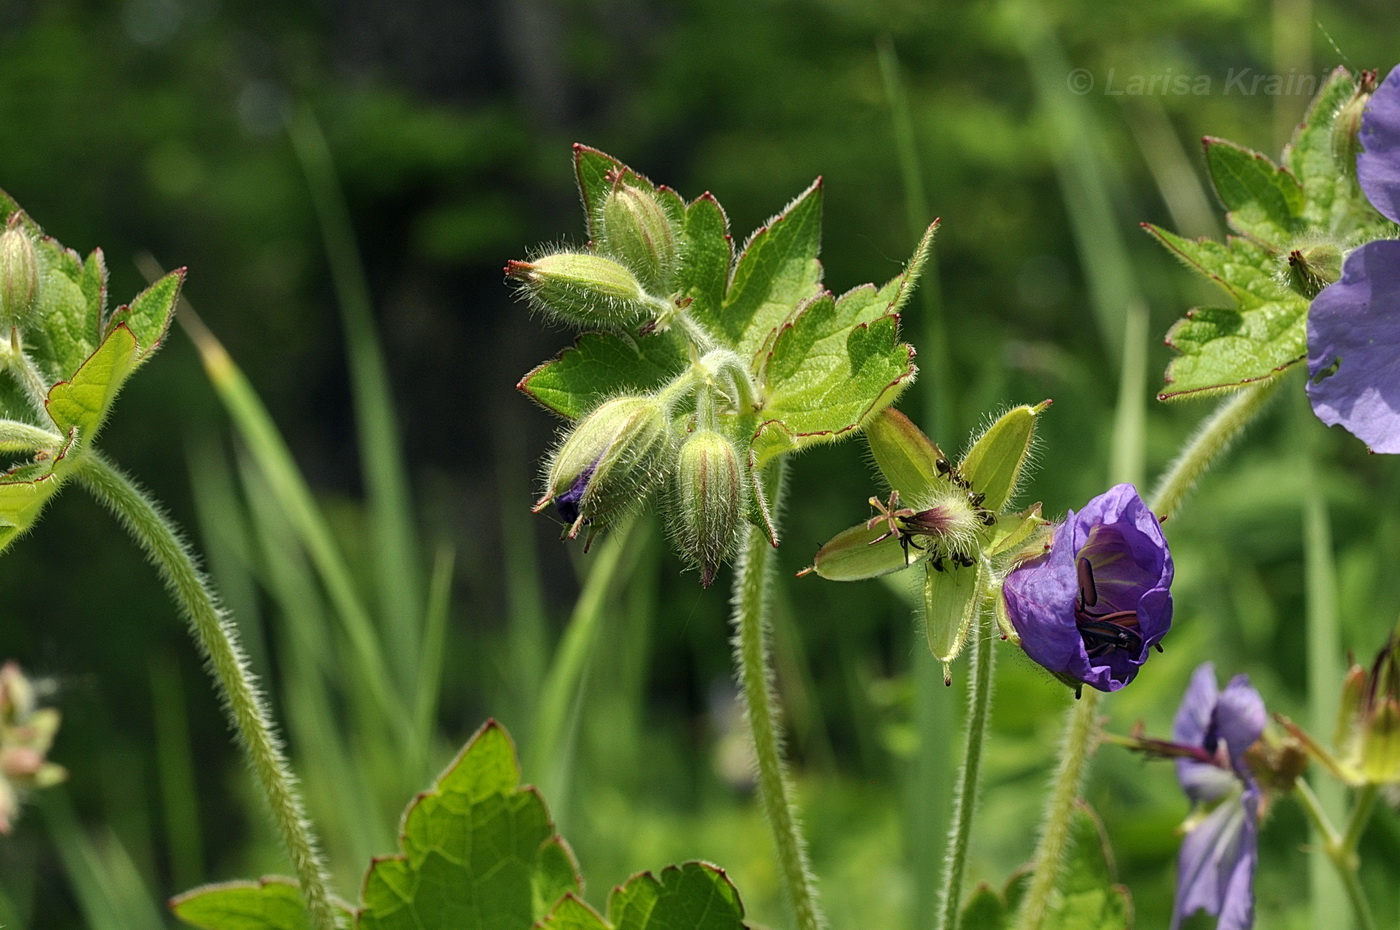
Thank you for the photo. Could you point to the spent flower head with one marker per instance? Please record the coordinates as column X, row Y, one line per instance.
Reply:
column 1354, row 324
column 1091, row 606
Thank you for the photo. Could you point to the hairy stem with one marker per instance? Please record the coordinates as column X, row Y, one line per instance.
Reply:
column 753, row 574
column 979, row 710
column 215, row 635
column 1074, row 758
column 1209, row 441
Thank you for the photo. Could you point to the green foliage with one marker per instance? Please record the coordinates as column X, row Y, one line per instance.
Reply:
column 1280, row 211
column 478, row 850
column 693, row 896
column 267, row 904
column 1087, row 897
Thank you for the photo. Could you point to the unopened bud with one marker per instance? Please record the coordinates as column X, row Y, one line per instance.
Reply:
column 582, row 288
column 710, row 499
column 1312, row 268
column 1346, row 125
column 19, row 276
column 611, row 462
column 637, row 231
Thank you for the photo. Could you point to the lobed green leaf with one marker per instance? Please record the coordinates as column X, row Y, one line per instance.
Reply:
column 1264, row 201
column 776, row 273
column 478, row 851
column 602, row 365
column 692, row 896
column 268, row 904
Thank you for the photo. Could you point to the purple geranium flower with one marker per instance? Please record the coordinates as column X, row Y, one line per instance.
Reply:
column 1212, row 730
column 1354, row 324
column 1091, row 607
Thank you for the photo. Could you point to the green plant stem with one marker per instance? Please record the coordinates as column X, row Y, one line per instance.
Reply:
column 752, row 577
column 35, row 385
column 1209, row 441
column 979, row 710
column 16, row 435
column 215, row 635
column 1074, row 757
column 1341, row 850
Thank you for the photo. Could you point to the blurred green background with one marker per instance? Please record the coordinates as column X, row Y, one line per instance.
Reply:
column 161, row 127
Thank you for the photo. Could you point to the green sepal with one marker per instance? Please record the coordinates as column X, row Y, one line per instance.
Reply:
column 906, row 457
column 1264, row 201
column 1014, row 530
column 692, row 896
column 271, row 903
column 602, row 365
column 777, row 272
column 478, row 850
column 994, row 464
column 952, row 601
column 858, row 553
column 1227, row 348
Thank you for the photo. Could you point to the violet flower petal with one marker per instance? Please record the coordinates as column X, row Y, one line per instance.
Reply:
column 1354, row 324
column 1378, row 165
column 1216, row 865
column 1131, row 573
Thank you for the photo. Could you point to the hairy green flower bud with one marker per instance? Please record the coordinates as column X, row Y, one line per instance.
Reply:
column 1368, row 724
column 1311, row 268
column 610, row 462
column 582, row 288
column 19, row 276
column 1346, row 125
column 711, row 493
column 637, row 230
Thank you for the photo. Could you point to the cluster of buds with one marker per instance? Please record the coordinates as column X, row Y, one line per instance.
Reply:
column 625, row 279
column 26, row 733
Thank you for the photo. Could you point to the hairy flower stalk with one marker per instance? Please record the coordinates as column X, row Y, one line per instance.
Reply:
column 216, row 638
column 752, row 578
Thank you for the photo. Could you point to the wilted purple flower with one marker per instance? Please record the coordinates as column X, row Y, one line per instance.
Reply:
column 1091, row 607
column 1354, row 324
column 1213, row 728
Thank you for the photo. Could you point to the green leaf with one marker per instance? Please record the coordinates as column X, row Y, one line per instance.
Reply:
column 844, row 379
column 149, row 315
column 70, row 305
column 706, row 257
column 1264, row 201
column 693, row 896
column 83, row 402
column 1224, row 348
column 1089, row 897
column 478, row 851
column 1333, row 196
column 777, row 272
column 602, row 365
column 592, row 169
column 267, row 904
column 985, row 910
